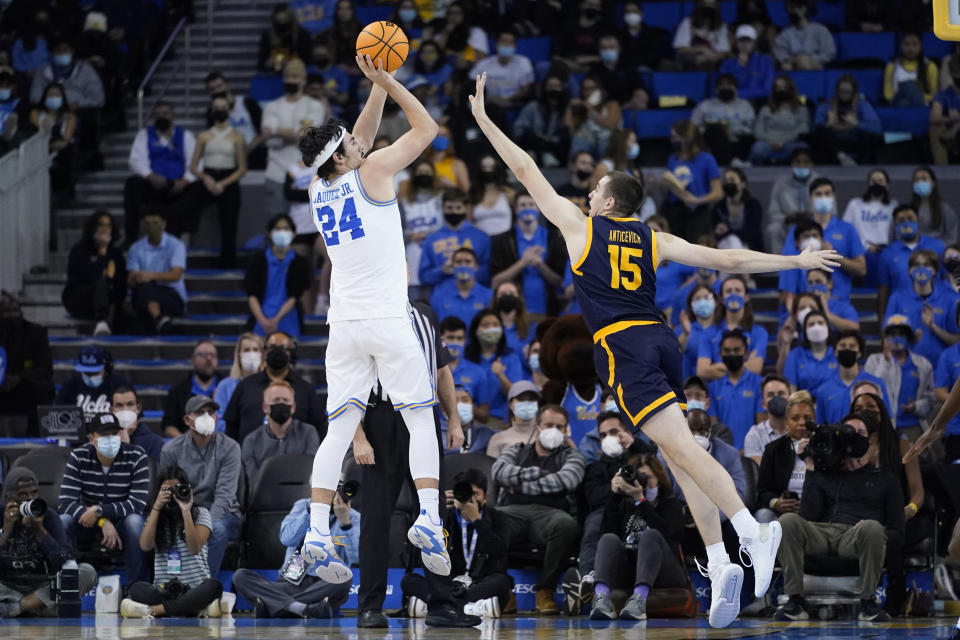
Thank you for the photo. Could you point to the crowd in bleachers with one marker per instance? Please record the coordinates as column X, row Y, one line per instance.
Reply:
column 790, row 83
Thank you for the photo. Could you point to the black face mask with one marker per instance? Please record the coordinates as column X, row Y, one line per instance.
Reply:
column 676, row 145
column 709, row 13
column 291, row 88
column 795, row 17
column 844, row 103
column 847, row 357
column 321, row 62
column 582, row 175
column 730, row 189
column 733, row 363
column 508, row 303
column 777, row 406
column 278, row 358
column 280, row 412
column 220, row 115
column 454, row 219
column 488, row 176
column 163, row 124
column 781, row 95
column 877, row 191
column 203, row 377
column 726, row 94
column 557, row 96
column 423, row 181
column 220, row 94
column 282, row 27
column 591, row 14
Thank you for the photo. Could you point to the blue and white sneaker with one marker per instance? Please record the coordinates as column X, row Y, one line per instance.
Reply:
column 319, row 554
column 432, row 543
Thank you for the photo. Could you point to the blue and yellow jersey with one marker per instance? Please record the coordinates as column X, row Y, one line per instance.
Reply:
column 616, row 277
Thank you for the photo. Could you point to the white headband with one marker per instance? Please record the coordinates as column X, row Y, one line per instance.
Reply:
column 329, row 148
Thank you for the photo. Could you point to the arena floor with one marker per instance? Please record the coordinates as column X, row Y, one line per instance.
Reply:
column 110, row 627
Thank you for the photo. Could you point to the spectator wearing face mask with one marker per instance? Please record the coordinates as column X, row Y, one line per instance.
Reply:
column 872, row 216
column 908, row 376
column 894, row 274
column 247, row 360
column 774, row 391
column 736, row 313
column 202, row 380
column 693, row 180
column 244, row 414
column 421, row 201
column 833, row 395
column 125, row 405
column 436, row 261
column 788, row 197
column 275, row 280
column 490, row 196
column 736, row 396
column 93, row 383
column 466, row 374
column 281, row 434
column 685, row 280
column 488, row 348
column 937, row 218
column 697, row 394
column 702, row 39
column 840, row 312
column 847, row 129
column 577, row 189
column 737, row 218
column 538, row 481
column 810, row 363
column 244, row 115
column 616, row 73
column 103, row 493
column 945, row 117
column 804, row 45
column 285, row 39
column 726, row 121
column 476, row 437
column 533, row 364
column 929, row 304
column 644, row 45
column 524, row 399
column 518, row 326
column 509, row 75
column 540, row 127
column 462, row 297
column 211, row 461
column 781, row 126
column 695, row 319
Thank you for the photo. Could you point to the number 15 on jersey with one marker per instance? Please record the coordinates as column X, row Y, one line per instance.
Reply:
column 349, row 221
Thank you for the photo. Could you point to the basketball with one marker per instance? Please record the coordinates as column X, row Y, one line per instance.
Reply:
column 383, row 41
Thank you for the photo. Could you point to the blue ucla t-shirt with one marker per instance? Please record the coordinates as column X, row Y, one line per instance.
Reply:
column 695, row 174
column 845, row 240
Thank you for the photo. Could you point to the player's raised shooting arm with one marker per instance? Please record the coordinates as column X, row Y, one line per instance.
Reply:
column 368, row 122
column 558, row 210
column 670, row 247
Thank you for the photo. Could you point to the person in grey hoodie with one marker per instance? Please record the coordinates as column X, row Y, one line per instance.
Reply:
column 780, row 124
column 804, row 45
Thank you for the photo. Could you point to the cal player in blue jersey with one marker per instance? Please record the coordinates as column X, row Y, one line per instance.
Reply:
column 615, row 259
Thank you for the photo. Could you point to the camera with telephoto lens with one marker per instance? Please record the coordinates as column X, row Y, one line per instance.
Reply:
column 463, row 492
column 180, row 491
column 347, row 489
column 631, row 476
column 35, row 508
column 830, row 444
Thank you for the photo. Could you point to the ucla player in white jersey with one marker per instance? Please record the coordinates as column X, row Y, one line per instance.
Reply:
column 372, row 336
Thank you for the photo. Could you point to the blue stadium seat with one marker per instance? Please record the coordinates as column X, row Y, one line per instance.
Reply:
column 831, row 14
column 869, row 81
column 537, row 49
column 778, row 13
column 263, row 89
column 934, row 47
column 367, row 13
column 811, row 84
column 692, row 84
column 852, row 45
column 662, row 14
column 913, row 121
column 656, row 123
column 728, row 10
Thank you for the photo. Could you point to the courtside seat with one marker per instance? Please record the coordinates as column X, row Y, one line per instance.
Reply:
column 282, row 481
column 48, row 464
column 751, row 471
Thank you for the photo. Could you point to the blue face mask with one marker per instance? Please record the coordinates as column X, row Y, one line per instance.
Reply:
column 899, row 343
column 801, row 173
column 696, row 404
column 463, row 272
column 108, row 446
column 440, row 143
column 527, row 215
column 921, row 274
column 609, row 55
column 456, row 350
column 62, row 59
column 525, row 409
column 823, row 204
column 734, row 302
column 53, row 103
column 408, row 15
column 817, row 287
column 5, row 94
column 703, row 307
column 923, row 188
column 92, row 381
column 633, row 151
column 534, row 362
column 908, row 230
column 465, row 411
column 506, row 51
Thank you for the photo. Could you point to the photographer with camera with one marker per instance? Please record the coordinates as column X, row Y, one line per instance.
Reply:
column 298, row 592
column 104, row 491
column 849, row 508
column 640, row 545
column 477, row 547
column 33, row 548
column 782, row 470
column 177, row 531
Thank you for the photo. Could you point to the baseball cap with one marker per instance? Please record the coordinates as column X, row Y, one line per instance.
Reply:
column 91, row 359
column 199, row 402
column 896, row 320
column 95, row 21
column 103, row 423
column 521, row 387
column 746, row 31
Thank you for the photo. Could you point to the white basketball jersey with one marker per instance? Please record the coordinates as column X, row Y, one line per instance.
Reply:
column 364, row 239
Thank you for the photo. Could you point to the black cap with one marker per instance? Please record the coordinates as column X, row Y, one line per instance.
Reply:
column 103, row 423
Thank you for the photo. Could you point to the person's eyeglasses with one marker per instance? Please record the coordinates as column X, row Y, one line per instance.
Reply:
column 205, row 354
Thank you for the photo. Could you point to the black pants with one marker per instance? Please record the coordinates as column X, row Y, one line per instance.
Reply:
column 653, row 563
column 687, row 223
column 136, row 192
column 90, row 300
column 859, row 144
column 171, row 304
column 280, row 594
column 723, row 148
column 190, row 603
column 198, row 198
column 495, row 585
column 952, row 446
column 382, row 483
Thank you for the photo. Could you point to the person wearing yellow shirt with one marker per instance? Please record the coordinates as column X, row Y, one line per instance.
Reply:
column 910, row 79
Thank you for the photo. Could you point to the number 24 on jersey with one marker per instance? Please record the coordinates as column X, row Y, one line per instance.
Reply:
column 349, row 222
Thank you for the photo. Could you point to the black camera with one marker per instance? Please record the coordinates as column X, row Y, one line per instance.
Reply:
column 830, row 444
column 35, row 508
column 180, row 491
column 463, row 492
column 347, row 489
column 631, row 476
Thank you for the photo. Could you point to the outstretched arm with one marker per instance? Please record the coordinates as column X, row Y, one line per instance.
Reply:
column 558, row 210
column 671, row 247
column 368, row 122
column 938, row 426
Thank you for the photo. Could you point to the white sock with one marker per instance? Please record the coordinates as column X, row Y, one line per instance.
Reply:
column 717, row 554
column 430, row 502
column 320, row 517
column 296, row 608
column 745, row 524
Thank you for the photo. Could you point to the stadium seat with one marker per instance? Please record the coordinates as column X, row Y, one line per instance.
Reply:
column 282, row 481
column 934, row 47
column 778, row 13
column 48, row 464
column 537, row 49
column 728, row 11
column 913, row 121
column 751, row 471
column 666, row 15
column 853, row 45
column 692, row 84
column 811, row 84
column 869, row 81
column 656, row 123
column 452, row 465
column 832, row 14
column 263, row 89
column 367, row 13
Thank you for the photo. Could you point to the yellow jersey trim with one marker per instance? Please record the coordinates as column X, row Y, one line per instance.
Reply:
column 653, row 249
column 620, row 326
column 670, row 395
column 586, row 250
column 624, row 219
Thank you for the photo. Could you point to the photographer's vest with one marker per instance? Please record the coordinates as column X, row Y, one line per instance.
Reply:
column 167, row 158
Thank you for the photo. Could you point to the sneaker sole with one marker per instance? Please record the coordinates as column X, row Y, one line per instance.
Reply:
column 727, row 606
column 332, row 571
column 436, row 563
column 760, row 586
column 630, row 617
column 600, row 615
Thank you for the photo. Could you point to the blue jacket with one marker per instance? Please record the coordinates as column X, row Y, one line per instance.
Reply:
column 441, row 244
column 754, row 81
column 867, row 117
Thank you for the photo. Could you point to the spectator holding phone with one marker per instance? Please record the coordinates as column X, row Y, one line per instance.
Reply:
column 782, row 471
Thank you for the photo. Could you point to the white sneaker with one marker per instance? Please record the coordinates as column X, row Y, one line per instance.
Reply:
column 212, row 610
column 416, row 608
column 131, row 609
column 319, row 553
column 943, row 582
column 486, row 608
column 102, row 329
column 762, row 552
column 431, row 541
column 725, row 582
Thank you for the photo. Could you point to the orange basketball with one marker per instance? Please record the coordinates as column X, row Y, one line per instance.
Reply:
column 383, row 41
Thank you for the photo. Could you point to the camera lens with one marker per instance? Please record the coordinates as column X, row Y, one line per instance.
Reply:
column 462, row 492
column 182, row 491
column 33, row 508
column 348, row 489
column 627, row 473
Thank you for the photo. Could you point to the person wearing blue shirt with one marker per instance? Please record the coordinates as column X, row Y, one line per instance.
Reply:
column 944, row 377
column 847, row 129
column 833, row 395
column 512, row 307
column 436, row 264
column 487, row 347
column 582, row 402
column 695, row 320
column 30, row 54
column 893, row 273
column 736, row 396
column 461, row 296
column 736, row 313
column 929, row 304
column 469, row 375
column 812, row 362
column 753, row 71
column 155, row 268
column 693, row 179
column 476, row 436
column 275, row 280
column 840, row 313
column 567, row 288
column 678, row 300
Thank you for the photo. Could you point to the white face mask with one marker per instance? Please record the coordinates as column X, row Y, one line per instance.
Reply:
column 703, row 441
column 818, row 333
column 551, row 438
column 126, row 418
column 651, row 493
column 250, row 361
column 813, row 244
column 205, row 424
column 611, row 446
